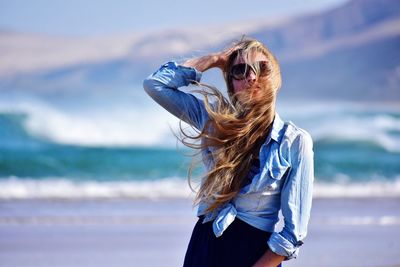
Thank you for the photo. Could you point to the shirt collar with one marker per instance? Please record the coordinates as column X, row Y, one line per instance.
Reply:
column 276, row 130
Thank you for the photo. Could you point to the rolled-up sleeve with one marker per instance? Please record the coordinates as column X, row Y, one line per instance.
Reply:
column 163, row 86
column 296, row 199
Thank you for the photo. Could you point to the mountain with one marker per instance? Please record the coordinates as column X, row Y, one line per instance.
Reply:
column 351, row 52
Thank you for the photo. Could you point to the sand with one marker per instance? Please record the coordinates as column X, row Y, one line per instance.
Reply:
column 144, row 232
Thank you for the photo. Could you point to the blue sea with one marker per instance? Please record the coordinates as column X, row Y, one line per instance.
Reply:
column 128, row 149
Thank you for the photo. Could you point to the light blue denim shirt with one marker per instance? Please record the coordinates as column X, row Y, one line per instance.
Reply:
column 283, row 182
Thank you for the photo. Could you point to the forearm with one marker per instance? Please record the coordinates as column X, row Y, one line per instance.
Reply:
column 269, row 259
column 203, row 63
column 214, row 60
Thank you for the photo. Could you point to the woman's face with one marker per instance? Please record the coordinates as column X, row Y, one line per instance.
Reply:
column 247, row 84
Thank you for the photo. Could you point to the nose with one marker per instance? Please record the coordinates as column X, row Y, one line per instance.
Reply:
column 251, row 77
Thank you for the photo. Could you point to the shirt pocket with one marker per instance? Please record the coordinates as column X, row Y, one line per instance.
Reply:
column 274, row 170
column 271, row 181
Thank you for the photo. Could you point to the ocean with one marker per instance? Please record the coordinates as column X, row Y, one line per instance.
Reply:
column 128, row 150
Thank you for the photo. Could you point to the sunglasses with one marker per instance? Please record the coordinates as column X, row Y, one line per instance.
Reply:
column 242, row 70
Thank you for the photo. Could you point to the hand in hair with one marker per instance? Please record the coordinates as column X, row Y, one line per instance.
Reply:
column 214, row 60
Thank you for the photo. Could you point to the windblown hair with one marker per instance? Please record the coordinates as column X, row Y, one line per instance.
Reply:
column 237, row 127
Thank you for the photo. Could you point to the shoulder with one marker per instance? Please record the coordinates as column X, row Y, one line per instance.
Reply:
column 295, row 136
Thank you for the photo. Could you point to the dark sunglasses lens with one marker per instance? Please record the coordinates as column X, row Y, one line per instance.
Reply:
column 263, row 67
column 239, row 71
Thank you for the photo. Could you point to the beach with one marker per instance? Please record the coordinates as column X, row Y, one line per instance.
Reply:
column 155, row 232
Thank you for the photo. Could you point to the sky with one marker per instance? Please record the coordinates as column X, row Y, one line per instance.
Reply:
column 104, row 17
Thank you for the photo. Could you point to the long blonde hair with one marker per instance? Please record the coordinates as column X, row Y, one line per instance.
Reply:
column 235, row 129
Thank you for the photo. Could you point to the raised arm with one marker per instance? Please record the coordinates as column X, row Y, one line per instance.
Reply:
column 163, row 86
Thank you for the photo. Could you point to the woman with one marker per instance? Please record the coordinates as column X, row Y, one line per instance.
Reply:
column 256, row 164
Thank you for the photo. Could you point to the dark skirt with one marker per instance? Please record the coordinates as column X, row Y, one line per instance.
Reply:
column 240, row 245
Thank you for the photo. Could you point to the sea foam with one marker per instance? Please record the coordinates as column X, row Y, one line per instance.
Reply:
column 150, row 125
column 59, row 188
column 110, row 126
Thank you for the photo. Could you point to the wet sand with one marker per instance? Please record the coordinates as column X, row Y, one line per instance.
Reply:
column 142, row 232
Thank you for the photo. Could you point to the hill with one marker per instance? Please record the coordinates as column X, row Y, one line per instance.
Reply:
column 348, row 53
